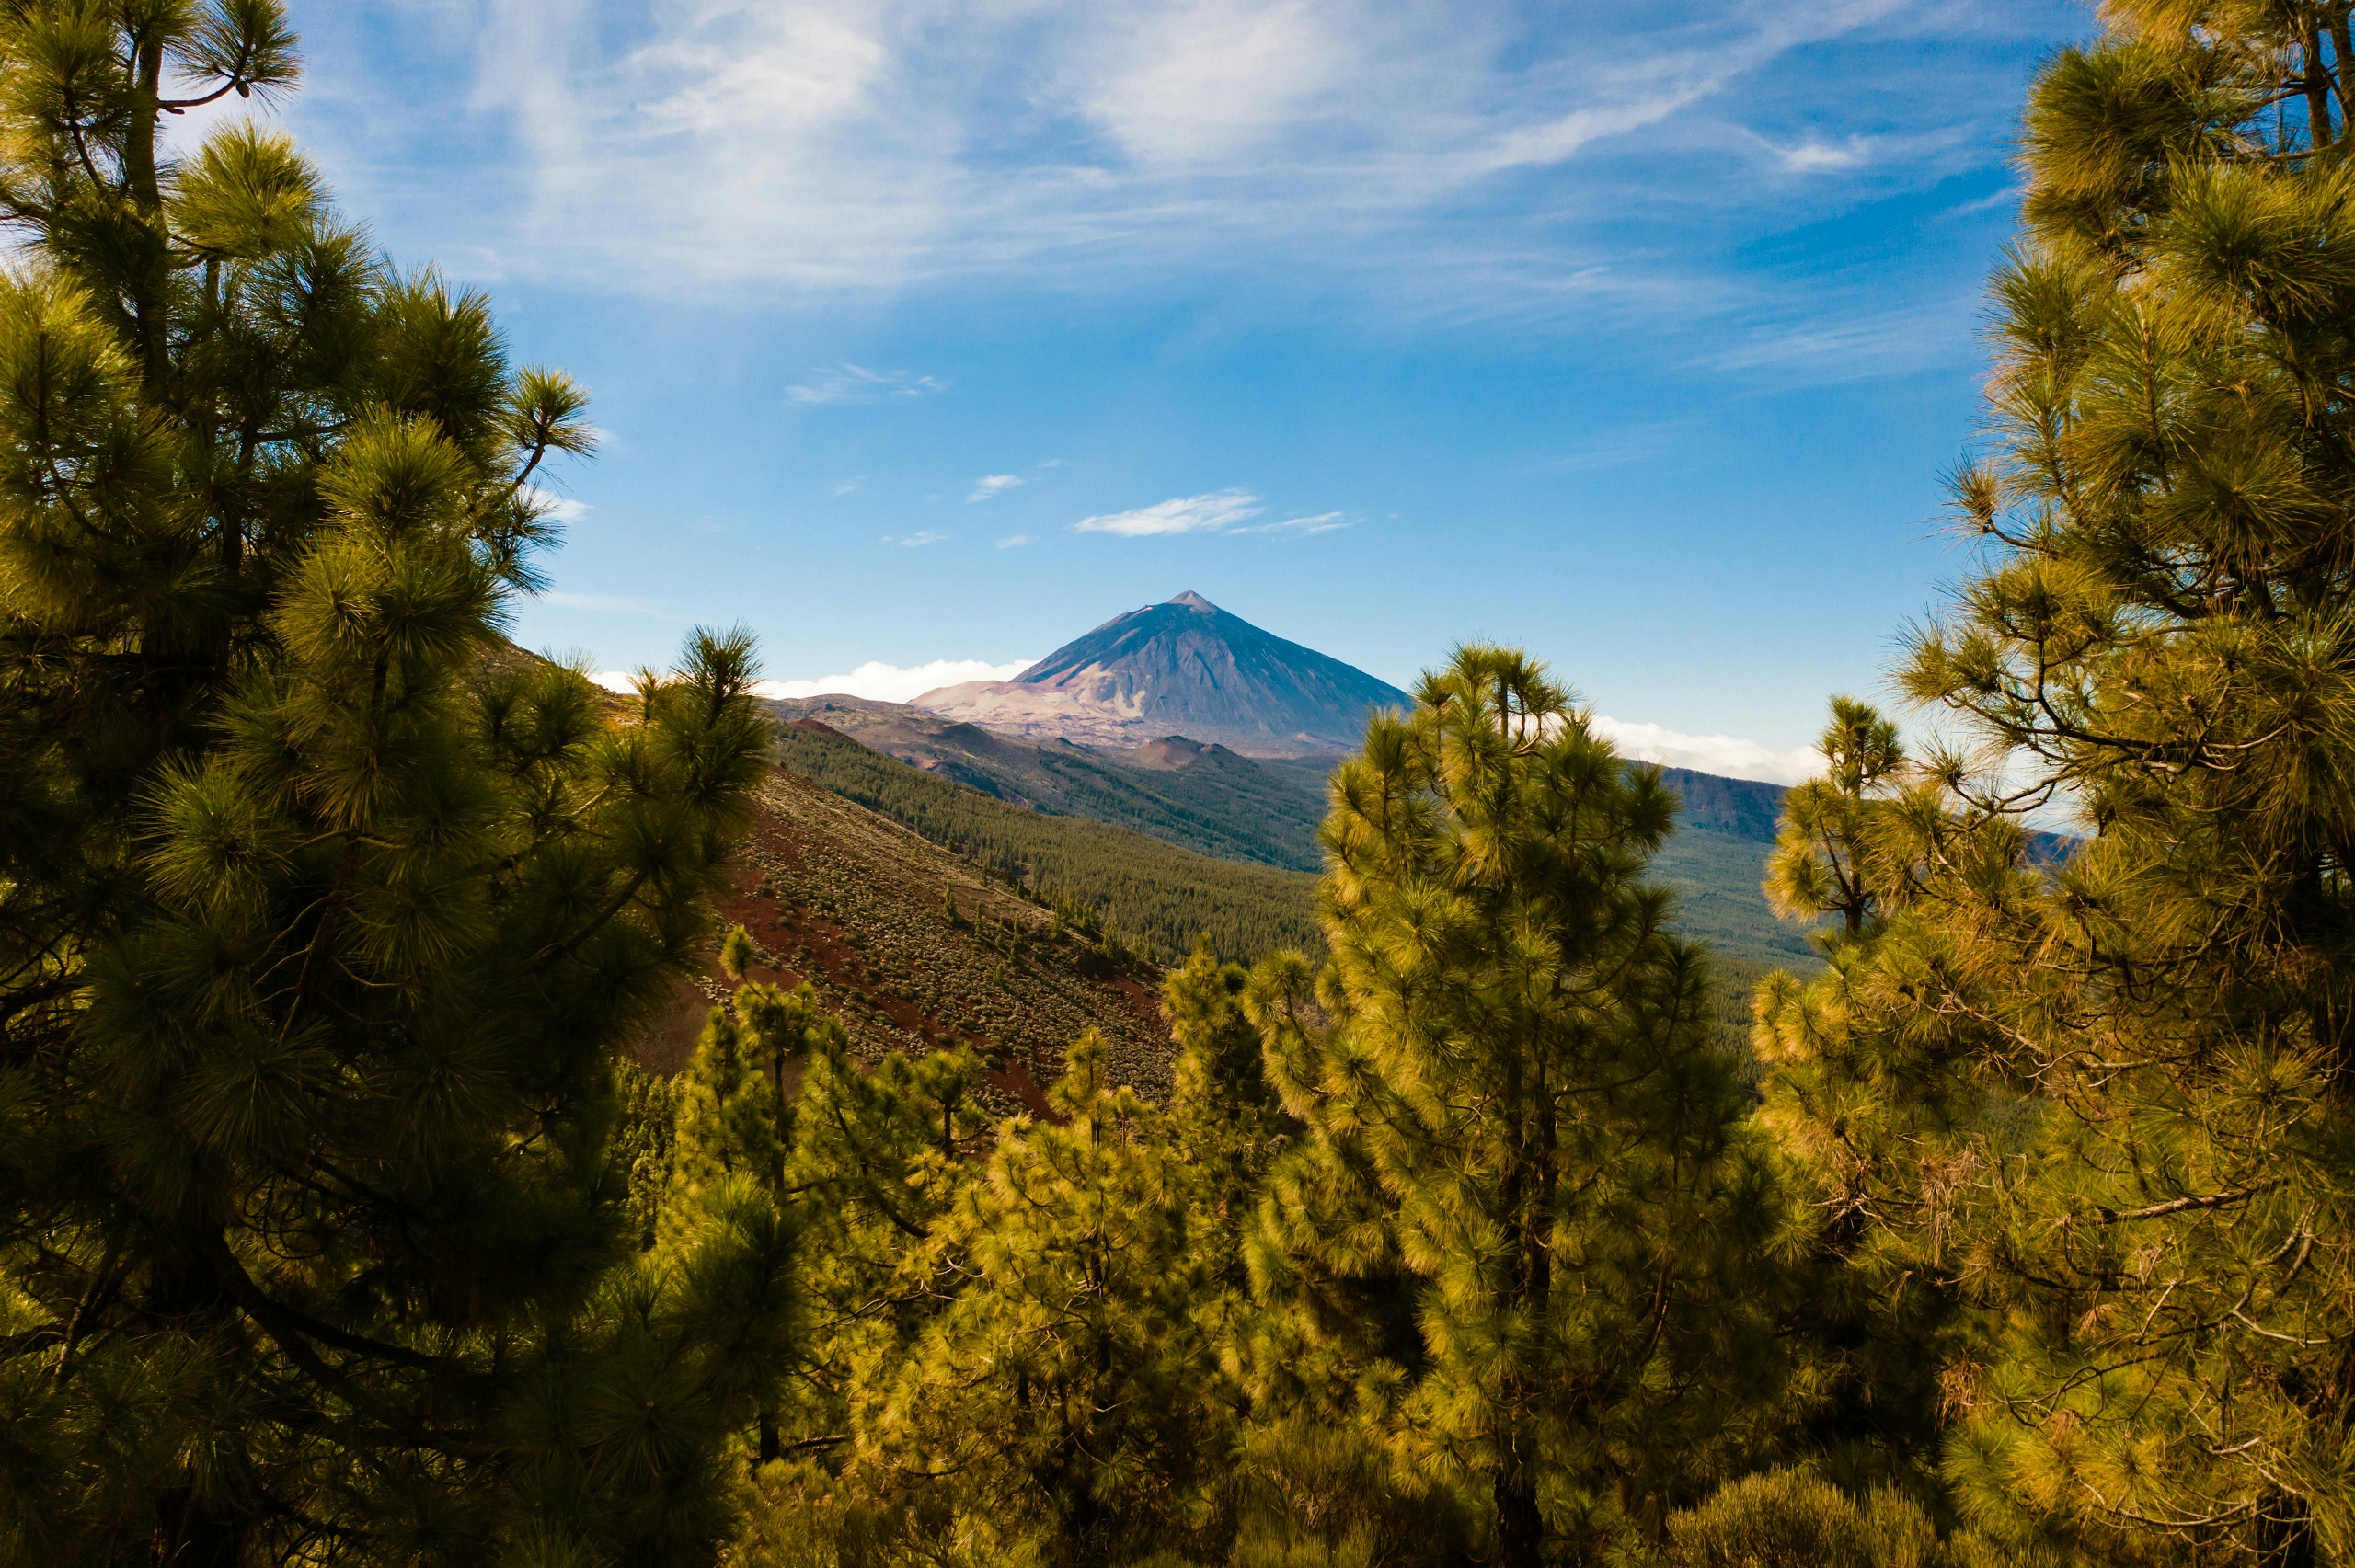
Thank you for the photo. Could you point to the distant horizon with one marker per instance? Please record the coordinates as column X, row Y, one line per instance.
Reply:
column 1724, row 755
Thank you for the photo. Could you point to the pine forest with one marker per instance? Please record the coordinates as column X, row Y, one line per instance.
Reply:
column 1481, row 1213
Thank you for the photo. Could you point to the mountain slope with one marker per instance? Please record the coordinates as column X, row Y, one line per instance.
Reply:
column 1162, row 896
column 1197, row 796
column 851, row 898
column 1149, row 890
column 1231, row 807
column 854, row 904
column 1182, row 668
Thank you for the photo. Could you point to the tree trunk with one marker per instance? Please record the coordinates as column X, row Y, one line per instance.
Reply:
column 2318, row 84
column 1520, row 1532
column 202, row 1536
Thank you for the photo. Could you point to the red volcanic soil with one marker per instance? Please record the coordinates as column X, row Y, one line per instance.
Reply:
column 836, row 895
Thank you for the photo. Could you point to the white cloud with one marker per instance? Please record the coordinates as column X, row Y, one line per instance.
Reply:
column 1816, row 156
column 1216, row 512
column 990, row 485
column 1858, row 340
column 914, row 541
column 1202, row 79
column 547, row 503
column 1455, row 160
column 850, row 485
column 1013, row 541
column 1323, row 523
column 1727, row 755
column 857, row 383
column 895, row 684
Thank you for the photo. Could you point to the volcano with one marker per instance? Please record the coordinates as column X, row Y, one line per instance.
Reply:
column 1183, row 668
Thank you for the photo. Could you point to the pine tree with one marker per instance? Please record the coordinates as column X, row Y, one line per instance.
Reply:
column 640, row 1147
column 318, row 937
column 737, row 953
column 1822, row 844
column 1515, row 1240
column 1066, row 1398
column 1862, row 1095
column 731, row 1127
column 728, row 1123
column 877, row 1159
column 2123, row 1080
column 1224, row 1116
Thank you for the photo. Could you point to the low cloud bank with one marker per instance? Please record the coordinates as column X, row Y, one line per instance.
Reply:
column 882, row 682
column 875, row 681
column 1727, row 756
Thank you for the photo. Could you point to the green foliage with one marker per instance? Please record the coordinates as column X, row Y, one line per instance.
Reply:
column 640, row 1147
column 1226, row 1127
column 1006, row 1365
column 317, row 944
column 1096, row 877
column 728, row 1119
column 2100, row 1106
column 1793, row 1519
column 1856, row 1092
column 1067, row 1388
column 1820, row 864
column 736, row 952
column 1512, row 1248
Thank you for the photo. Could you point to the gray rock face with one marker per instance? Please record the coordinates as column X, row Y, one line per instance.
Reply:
column 1183, row 667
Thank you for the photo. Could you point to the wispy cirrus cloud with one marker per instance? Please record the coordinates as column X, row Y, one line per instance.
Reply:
column 990, row 485
column 1487, row 159
column 1014, row 541
column 1216, row 512
column 915, row 541
column 1814, row 156
column 1323, row 523
column 856, row 384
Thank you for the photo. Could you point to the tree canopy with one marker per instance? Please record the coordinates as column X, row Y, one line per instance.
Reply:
column 317, row 939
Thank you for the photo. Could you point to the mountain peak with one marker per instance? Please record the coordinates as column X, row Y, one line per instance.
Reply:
column 1182, row 667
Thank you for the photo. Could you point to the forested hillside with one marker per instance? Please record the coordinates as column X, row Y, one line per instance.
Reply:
column 1150, row 892
column 1164, row 900
column 1195, row 796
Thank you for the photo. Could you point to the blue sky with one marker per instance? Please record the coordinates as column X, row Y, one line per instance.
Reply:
column 942, row 330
